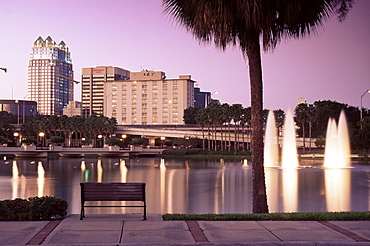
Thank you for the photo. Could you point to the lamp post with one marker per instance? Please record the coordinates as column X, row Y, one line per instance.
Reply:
column 367, row 91
column 100, row 137
column 41, row 135
column 16, row 135
column 162, row 139
column 17, row 102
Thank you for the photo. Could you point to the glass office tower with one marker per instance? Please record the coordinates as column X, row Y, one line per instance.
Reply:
column 50, row 76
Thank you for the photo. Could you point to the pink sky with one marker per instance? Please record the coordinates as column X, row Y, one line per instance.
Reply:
column 135, row 35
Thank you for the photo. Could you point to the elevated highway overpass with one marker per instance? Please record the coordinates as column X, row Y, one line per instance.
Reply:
column 152, row 132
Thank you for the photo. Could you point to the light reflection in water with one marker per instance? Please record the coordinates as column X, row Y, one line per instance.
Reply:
column 337, row 187
column 100, row 171
column 15, row 180
column 40, row 179
column 123, row 170
column 191, row 186
column 162, row 171
column 290, row 189
column 272, row 188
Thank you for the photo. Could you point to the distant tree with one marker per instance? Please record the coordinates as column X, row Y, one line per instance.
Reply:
column 190, row 115
column 201, row 119
column 301, row 116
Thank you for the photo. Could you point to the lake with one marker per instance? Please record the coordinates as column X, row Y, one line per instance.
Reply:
column 191, row 186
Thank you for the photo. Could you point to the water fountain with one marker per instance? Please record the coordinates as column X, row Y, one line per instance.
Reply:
column 337, row 150
column 271, row 152
column 289, row 154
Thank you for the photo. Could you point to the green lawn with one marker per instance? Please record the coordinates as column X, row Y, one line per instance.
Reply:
column 311, row 216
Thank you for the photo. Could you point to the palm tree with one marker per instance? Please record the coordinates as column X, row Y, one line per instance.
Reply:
column 236, row 110
column 310, row 119
column 201, row 119
column 245, row 23
column 301, row 116
column 225, row 118
column 279, row 119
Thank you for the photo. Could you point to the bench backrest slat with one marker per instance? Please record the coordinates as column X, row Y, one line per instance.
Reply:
column 113, row 191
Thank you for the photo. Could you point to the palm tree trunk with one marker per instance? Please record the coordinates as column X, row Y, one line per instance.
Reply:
column 304, row 137
column 259, row 197
column 203, row 142
column 310, row 135
column 229, row 147
column 243, row 147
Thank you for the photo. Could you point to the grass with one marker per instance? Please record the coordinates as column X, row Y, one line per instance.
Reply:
column 309, row 216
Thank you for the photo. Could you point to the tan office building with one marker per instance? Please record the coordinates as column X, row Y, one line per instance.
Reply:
column 92, row 92
column 148, row 98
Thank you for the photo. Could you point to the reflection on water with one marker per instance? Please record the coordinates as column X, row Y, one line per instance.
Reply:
column 290, row 189
column 15, row 180
column 40, row 179
column 337, row 187
column 191, row 186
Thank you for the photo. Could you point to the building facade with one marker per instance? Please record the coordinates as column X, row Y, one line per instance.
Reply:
column 74, row 108
column 201, row 98
column 148, row 98
column 50, row 76
column 21, row 108
column 93, row 86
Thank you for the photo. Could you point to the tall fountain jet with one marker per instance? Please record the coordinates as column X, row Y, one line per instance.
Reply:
column 271, row 152
column 337, row 149
column 289, row 156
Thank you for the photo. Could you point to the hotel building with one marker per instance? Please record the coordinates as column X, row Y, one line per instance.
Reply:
column 92, row 91
column 50, row 76
column 148, row 98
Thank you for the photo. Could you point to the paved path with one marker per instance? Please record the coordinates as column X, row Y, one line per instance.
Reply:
column 132, row 230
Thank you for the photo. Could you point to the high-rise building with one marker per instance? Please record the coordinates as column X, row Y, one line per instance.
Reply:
column 148, row 98
column 50, row 76
column 93, row 86
column 201, row 98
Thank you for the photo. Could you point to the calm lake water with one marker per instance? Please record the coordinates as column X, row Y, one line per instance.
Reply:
column 191, row 186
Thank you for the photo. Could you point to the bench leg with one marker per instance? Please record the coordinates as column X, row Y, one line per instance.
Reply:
column 144, row 213
column 82, row 213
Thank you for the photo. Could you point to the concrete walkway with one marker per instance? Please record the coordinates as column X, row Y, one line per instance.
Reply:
column 130, row 229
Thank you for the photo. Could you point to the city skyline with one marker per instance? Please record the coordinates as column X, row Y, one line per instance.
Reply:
column 135, row 35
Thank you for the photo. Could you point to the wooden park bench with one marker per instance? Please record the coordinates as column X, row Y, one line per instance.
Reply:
column 92, row 191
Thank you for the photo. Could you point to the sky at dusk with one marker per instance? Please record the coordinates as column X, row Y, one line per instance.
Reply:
column 333, row 65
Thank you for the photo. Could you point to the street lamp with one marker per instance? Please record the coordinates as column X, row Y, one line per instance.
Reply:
column 367, row 91
column 162, row 139
column 100, row 137
column 16, row 135
column 41, row 135
column 17, row 102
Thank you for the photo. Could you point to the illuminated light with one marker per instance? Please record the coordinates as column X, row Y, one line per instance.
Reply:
column 271, row 149
column 289, row 158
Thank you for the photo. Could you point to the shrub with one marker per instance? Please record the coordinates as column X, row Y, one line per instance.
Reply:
column 14, row 210
column 56, row 139
column 36, row 208
column 29, row 140
column 47, row 208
